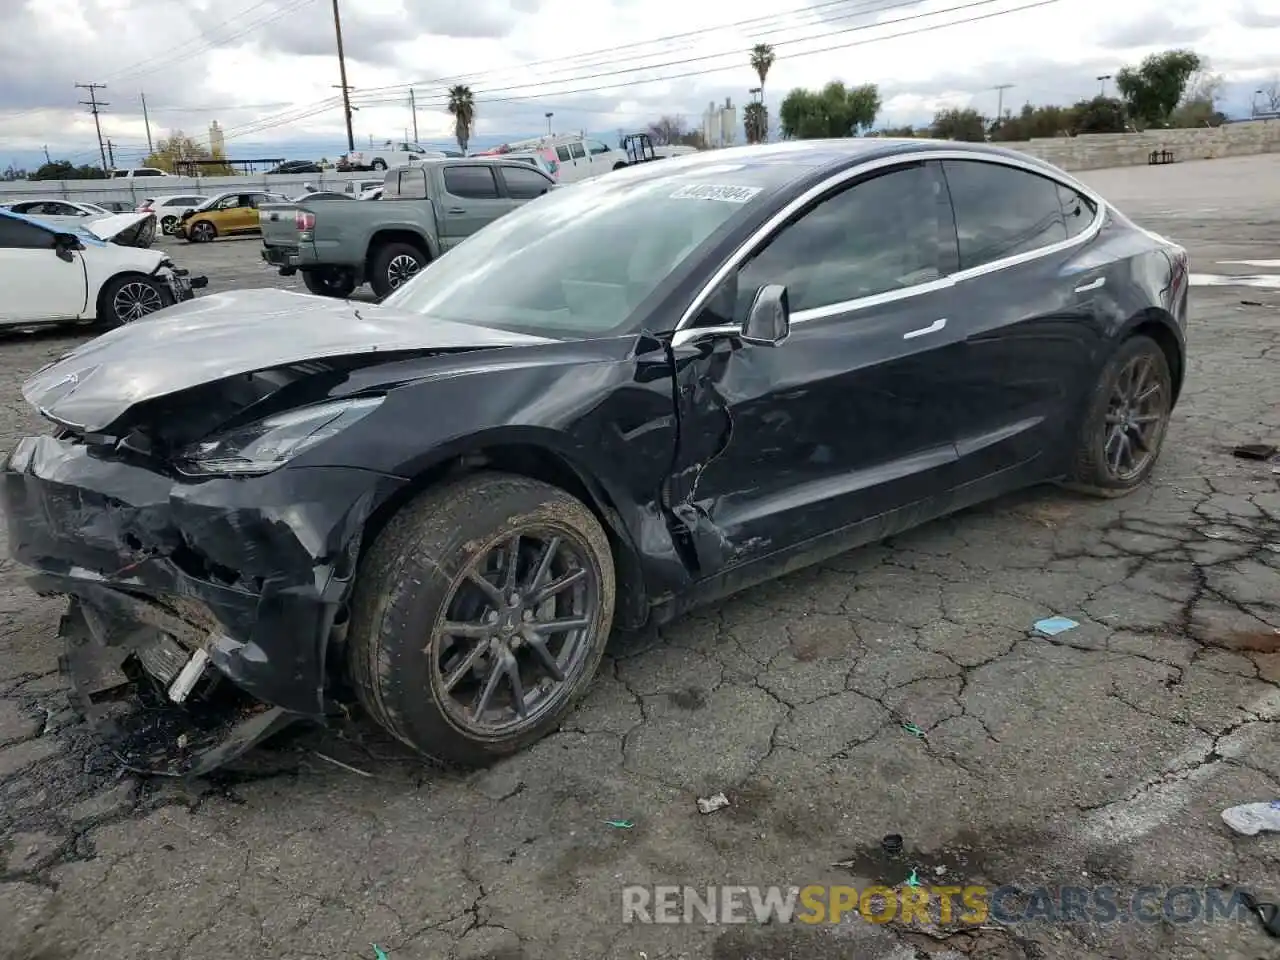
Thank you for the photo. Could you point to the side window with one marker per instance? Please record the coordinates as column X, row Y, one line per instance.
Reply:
column 254, row 200
column 471, row 182
column 576, row 151
column 877, row 236
column 1002, row 211
column 1077, row 210
column 595, row 147
column 524, row 184
column 16, row 235
column 563, row 154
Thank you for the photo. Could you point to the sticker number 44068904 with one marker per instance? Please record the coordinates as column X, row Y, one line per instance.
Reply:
column 715, row 191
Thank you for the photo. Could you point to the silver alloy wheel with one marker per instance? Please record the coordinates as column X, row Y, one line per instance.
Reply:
column 401, row 270
column 1136, row 418
column 202, row 231
column 134, row 300
column 167, row 225
column 516, row 633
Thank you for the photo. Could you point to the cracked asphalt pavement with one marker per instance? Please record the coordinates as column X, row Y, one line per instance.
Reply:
column 1103, row 755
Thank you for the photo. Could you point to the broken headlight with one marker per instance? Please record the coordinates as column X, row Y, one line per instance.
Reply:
column 261, row 447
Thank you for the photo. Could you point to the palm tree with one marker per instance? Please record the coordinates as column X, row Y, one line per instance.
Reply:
column 756, row 121
column 463, row 107
column 762, row 58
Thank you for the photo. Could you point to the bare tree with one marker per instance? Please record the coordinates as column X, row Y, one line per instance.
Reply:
column 1271, row 93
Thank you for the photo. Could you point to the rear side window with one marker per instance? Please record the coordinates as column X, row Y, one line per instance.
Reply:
column 524, row 184
column 563, row 154
column 1002, row 211
column 1077, row 210
column 472, row 182
column 875, row 237
column 575, row 149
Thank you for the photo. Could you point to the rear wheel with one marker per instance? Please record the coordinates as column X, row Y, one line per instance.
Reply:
column 394, row 265
column 329, row 282
column 202, row 231
column 378, row 165
column 129, row 298
column 167, row 224
column 1125, row 425
column 480, row 615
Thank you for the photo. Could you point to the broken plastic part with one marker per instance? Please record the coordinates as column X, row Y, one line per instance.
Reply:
column 189, row 676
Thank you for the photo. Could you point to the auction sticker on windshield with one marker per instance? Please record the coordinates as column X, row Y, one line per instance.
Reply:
column 715, row 191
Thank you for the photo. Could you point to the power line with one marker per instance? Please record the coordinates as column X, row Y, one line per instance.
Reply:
column 94, row 106
column 267, row 124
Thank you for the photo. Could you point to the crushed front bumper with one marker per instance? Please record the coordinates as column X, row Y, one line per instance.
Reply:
column 252, row 574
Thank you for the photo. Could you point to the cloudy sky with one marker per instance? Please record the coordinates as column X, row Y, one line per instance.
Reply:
column 266, row 69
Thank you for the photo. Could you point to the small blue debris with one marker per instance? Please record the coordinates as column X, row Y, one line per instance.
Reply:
column 1052, row 626
column 382, row 954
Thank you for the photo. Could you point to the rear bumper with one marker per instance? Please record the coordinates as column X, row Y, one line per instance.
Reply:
column 254, row 572
column 286, row 258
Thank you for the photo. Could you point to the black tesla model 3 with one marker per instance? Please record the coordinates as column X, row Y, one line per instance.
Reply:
column 622, row 399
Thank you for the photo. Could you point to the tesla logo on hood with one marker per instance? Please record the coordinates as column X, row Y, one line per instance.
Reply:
column 71, row 378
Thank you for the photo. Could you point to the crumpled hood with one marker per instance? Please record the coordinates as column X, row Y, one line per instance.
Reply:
column 108, row 228
column 226, row 334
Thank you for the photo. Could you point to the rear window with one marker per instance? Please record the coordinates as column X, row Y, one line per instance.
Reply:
column 472, row 182
column 525, row 184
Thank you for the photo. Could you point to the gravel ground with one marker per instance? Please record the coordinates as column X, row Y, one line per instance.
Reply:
column 1102, row 756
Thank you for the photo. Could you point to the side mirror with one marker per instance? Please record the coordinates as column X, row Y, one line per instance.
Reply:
column 64, row 244
column 768, row 321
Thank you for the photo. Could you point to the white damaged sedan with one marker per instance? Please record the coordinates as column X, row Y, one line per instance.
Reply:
column 50, row 273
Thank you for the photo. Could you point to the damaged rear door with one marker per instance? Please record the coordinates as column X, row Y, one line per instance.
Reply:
column 846, row 420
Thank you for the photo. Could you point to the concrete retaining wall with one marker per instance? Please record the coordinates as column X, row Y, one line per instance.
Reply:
column 135, row 191
column 1100, row 150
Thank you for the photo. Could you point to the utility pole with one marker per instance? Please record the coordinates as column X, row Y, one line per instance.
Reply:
column 147, row 120
column 94, row 106
column 413, row 107
column 342, row 72
column 111, row 155
column 1000, row 89
column 1102, row 81
column 549, row 116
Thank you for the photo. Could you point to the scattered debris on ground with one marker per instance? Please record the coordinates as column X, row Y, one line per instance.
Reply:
column 713, row 803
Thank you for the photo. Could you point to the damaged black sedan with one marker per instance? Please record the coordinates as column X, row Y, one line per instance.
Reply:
column 620, row 400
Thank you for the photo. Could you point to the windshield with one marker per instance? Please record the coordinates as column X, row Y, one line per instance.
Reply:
column 576, row 263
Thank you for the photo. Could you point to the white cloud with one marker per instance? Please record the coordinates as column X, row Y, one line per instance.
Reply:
column 265, row 69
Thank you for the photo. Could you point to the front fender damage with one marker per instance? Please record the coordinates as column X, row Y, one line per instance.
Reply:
column 201, row 614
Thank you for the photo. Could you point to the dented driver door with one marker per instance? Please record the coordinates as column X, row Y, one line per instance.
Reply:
column 848, row 419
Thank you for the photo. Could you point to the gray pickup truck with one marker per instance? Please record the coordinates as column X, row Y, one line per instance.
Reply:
column 426, row 209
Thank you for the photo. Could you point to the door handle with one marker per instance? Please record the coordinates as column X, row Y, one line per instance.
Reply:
column 1085, row 288
column 931, row 328
column 455, row 210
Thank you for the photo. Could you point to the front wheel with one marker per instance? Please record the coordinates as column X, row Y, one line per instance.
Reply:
column 1125, row 424
column 378, row 165
column 126, row 299
column 509, row 582
column 329, row 282
column 202, row 231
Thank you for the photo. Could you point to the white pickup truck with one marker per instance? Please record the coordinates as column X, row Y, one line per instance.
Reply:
column 389, row 155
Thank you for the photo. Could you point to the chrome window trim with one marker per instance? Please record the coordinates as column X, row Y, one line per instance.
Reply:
column 684, row 331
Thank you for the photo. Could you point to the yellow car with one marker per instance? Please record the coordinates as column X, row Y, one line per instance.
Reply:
column 225, row 215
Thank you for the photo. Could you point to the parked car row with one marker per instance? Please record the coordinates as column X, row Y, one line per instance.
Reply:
column 645, row 391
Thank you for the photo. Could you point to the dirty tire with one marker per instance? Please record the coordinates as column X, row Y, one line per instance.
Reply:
column 405, row 585
column 1090, row 472
column 130, row 297
column 385, row 261
column 329, row 282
